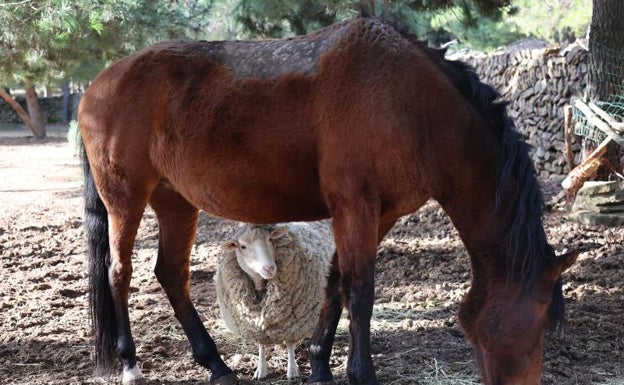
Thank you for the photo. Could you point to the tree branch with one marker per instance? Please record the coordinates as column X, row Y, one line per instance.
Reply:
column 16, row 106
column 15, row 3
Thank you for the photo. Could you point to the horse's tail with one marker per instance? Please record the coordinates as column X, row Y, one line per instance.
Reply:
column 103, row 322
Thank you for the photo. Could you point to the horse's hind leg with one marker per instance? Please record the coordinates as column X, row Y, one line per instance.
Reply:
column 177, row 220
column 323, row 338
column 122, row 233
column 113, row 212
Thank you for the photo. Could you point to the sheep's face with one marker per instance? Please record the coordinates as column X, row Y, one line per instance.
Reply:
column 254, row 251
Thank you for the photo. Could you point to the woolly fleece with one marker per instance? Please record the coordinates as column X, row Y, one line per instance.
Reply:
column 288, row 309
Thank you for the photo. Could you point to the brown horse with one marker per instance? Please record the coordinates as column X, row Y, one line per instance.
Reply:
column 359, row 122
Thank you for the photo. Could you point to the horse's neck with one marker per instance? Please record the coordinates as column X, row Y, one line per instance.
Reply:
column 494, row 244
column 482, row 233
column 481, row 222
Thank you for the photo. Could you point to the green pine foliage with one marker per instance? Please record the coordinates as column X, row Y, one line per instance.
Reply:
column 47, row 42
column 556, row 21
column 476, row 24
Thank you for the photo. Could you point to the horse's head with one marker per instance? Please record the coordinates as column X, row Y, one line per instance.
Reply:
column 507, row 325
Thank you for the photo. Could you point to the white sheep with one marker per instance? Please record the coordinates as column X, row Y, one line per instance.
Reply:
column 270, row 284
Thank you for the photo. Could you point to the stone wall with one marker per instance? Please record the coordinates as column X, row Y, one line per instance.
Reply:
column 52, row 108
column 538, row 83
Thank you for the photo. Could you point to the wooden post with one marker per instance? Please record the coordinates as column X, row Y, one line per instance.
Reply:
column 586, row 169
column 594, row 119
column 567, row 136
column 618, row 127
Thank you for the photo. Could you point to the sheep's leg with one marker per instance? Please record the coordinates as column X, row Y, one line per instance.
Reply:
column 262, row 370
column 293, row 368
column 323, row 338
column 177, row 220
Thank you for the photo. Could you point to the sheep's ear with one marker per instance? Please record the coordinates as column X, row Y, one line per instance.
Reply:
column 281, row 236
column 279, row 232
column 229, row 245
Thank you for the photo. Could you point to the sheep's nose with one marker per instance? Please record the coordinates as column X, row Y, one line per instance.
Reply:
column 269, row 270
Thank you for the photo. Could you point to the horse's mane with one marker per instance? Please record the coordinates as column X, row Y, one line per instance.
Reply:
column 526, row 248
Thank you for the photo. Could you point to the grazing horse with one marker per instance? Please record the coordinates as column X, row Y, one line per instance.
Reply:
column 359, row 122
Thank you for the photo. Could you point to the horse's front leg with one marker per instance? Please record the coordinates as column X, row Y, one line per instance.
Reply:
column 323, row 338
column 356, row 227
column 177, row 221
column 359, row 290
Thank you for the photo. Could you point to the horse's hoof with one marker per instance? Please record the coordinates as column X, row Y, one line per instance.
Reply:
column 228, row 379
column 133, row 377
column 135, row 381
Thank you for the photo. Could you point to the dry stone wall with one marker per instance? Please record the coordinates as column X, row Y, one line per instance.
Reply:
column 538, row 83
column 52, row 108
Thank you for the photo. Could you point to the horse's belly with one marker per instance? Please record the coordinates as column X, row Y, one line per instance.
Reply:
column 256, row 203
column 255, row 209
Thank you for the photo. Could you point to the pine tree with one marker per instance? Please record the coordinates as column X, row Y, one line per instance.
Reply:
column 44, row 42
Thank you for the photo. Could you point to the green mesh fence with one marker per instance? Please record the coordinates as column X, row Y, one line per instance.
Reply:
column 608, row 78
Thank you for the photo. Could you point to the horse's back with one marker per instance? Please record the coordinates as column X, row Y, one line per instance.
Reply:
column 273, row 127
column 174, row 112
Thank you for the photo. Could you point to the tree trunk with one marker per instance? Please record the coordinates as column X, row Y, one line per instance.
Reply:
column 606, row 45
column 16, row 106
column 66, row 116
column 34, row 112
column 606, row 72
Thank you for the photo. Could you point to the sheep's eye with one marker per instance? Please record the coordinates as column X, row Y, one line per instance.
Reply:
column 243, row 247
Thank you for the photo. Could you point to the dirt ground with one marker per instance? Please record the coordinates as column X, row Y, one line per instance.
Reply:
column 422, row 274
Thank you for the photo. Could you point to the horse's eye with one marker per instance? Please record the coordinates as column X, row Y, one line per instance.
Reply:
column 243, row 247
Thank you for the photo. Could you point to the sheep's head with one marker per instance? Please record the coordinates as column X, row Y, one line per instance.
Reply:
column 254, row 250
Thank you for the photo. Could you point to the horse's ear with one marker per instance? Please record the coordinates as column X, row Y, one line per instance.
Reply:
column 562, row 263
column 229, row 245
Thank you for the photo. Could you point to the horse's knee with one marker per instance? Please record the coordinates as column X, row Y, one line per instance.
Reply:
column 359, row 292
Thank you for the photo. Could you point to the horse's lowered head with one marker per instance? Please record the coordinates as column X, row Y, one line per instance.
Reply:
column 506, row 323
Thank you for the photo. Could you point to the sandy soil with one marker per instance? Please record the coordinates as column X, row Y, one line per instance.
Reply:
column 423, row 272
